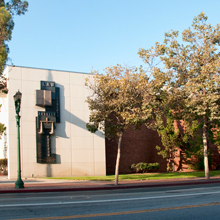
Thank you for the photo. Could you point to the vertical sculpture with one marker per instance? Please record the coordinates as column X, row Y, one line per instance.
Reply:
column 49, row 98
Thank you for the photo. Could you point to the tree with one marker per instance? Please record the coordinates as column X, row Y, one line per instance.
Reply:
column 7, row 10
column 169, row 139
column 178, row 136
column 116, row 103
column 2, row 129
column 190, row 72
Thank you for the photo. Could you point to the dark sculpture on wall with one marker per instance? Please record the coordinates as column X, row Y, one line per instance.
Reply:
column 49, row 98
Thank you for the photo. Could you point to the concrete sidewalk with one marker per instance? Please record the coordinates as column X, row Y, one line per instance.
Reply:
column 45, row 185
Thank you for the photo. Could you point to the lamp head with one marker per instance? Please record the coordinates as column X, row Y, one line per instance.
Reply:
column 17, row 96
column 17, row 100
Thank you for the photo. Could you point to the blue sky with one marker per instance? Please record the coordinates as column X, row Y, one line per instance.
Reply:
column 81, row 35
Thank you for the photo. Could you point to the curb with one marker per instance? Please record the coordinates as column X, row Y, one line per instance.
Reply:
column 108, row 187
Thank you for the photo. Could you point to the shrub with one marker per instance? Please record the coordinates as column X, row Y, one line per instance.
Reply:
column 3, row 166
column 144, row 167
column 198, row 163
column 3, row 162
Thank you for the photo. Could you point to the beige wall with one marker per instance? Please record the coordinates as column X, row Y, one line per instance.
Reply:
column 80, row 153
column 3, row 120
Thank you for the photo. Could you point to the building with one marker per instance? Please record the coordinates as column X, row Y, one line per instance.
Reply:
column 53, row 136
column 54, row 139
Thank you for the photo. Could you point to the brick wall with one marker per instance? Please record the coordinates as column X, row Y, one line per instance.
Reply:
column 137, row 146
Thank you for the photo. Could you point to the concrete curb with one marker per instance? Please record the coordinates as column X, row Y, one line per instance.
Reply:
column 92, row 188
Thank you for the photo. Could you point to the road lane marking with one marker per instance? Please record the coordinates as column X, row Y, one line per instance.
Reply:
column 107, row 200
column 122, row 213
column 105, row 195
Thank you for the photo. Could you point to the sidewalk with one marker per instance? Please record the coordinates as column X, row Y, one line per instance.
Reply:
column 45, row 185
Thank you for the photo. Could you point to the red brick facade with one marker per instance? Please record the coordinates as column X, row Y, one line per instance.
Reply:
column 137, row 146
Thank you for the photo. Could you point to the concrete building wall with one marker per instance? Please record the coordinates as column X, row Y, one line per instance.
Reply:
column 79, row 153
column 3, row 120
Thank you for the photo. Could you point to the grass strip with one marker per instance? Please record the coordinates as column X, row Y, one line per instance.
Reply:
column 141, row 176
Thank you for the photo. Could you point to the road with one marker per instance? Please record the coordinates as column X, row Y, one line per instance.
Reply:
column 179, row 202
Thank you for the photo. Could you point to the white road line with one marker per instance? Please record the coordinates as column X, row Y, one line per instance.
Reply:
column 191, row 189
column 107, row 200
column 107, row 195
column 49, row 197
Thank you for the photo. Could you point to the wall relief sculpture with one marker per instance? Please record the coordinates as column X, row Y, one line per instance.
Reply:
column 49, row 99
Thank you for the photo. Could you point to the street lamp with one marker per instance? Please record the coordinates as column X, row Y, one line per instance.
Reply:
column 17, row 99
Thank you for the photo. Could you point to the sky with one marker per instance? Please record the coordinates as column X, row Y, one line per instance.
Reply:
column 86, row 35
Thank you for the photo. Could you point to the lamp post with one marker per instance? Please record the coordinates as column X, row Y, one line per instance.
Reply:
column 17, row 99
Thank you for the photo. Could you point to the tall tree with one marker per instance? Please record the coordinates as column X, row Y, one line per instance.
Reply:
column 116, row 103
column 7, row 10
column 191, row 70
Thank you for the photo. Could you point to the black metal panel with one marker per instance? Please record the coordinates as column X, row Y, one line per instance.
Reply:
column 47, row 85
column 46, row 120
column 44, row 154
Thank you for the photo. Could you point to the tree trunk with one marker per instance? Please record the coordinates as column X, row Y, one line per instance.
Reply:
column 205, row 146
column 118, row 158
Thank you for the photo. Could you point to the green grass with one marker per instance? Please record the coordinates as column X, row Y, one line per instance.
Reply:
column 144, row 176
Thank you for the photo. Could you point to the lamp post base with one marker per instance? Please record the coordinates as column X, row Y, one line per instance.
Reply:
column 19, row 184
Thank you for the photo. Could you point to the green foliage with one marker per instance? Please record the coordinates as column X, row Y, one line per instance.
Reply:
column 7, row 10
column 173, row 140
column 92, row 127
column 3, row 166
column 169, row 136
column 116, row 102
column 195, row 146
column 198, row 162
column 189, row 74
column 3, row 162
column 6, row 25
column 190, row 70
column 214, row 134
column 2, row 129
column 17, row 7
column 144, row 167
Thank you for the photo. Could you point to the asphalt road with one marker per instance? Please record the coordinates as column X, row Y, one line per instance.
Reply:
column 180, row 202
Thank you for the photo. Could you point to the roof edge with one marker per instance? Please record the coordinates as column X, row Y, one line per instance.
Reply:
column 45, row 69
